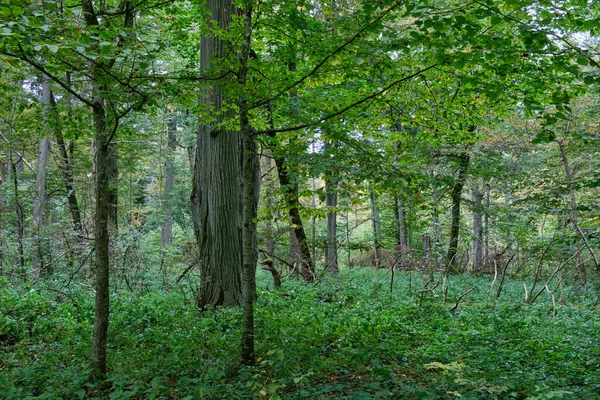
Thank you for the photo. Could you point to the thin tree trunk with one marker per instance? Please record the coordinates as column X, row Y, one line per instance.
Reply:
column 166, row 237
column 251, row 191
column 1, row 218
column 434, row 211
column 290, row 193
column 66, row 169
column 401, row 236
column 101, row 241
column 573, row 211
column 486, row 231
column 269, row 231
column 20, row 218
column 456, row 197
column 217, row 209
column 331, row 253
column 313, row 227
column 39, row 252
column 477, row 196
column 113, row 187
column 375, row 230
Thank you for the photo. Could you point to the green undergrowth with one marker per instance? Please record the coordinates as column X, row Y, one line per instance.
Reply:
column 347, row 339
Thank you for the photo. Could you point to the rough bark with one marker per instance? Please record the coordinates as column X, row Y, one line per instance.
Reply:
column 216, row 198
column 166, row 237
column 101, row 240
column 456, row 197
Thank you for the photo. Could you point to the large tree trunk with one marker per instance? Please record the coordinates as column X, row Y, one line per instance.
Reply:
column 477, row 197
column 166, row 237
column 216, row 198
column 456, row 197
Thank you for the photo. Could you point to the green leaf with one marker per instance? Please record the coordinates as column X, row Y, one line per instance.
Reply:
column 53, row 48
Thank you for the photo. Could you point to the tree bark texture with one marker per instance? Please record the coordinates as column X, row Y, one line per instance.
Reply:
column 166, row 236
column 456, row 197
column 101, row 242
column 101, row 232
column 216, row 197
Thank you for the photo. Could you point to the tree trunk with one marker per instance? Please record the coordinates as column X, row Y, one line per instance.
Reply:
column 20, row 218
column 166, row 237
column 1, row 220
column 66, row 170
column 401, row 236
column 251, row 192
column 269, row 231
column 331, row 253
column 434, row 211
column 477, row 196
column 290, row 195
column 113, row 188
column 101, row 240
column 456, row 200
column 39, row 252
column 486, row 231
column 573, row 211
column 216, row 198
column 375, row 230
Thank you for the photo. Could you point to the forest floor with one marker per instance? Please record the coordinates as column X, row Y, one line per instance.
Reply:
column 349, row 338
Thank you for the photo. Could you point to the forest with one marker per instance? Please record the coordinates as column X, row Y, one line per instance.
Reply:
column 324, row 199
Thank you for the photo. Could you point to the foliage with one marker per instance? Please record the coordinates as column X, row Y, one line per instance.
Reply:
column 344, row 339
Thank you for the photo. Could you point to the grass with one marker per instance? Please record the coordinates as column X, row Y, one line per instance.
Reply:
column 345, row 339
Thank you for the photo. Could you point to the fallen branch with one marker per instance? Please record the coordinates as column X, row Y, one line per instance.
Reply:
column 460, row 298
